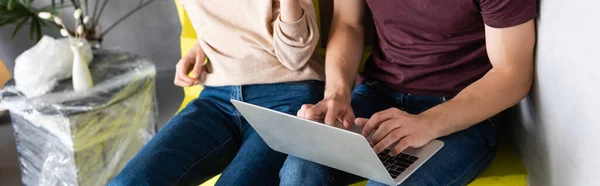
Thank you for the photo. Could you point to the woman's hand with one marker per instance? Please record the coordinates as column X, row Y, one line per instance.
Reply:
column 191, row 62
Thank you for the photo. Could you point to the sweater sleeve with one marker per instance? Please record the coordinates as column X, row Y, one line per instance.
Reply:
column 295, row 42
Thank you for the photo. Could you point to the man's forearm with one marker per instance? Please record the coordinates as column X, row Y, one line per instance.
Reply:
column 291, row 10
column 510, row 51
column 344, row 52
column 495, row 92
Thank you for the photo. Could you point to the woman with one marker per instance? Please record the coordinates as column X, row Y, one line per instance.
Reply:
column 260, row 52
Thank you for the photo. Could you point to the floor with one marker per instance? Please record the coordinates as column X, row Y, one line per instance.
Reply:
column 169, row 99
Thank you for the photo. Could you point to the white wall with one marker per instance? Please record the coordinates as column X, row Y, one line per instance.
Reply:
column 559, row 135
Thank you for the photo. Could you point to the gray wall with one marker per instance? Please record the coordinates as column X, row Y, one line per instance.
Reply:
column 561, row 118
column 10, row 49
column 152, row 32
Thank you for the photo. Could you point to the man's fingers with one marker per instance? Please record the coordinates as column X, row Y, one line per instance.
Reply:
column 374, row 122
column 391, row 138
column 361, row 121
column 303, row 109
column 348, row 118
column 401, row 146
column 384, row 129
column 316, row 112
column 332, row 115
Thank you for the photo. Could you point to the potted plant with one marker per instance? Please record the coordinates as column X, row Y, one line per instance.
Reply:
column 21, row 12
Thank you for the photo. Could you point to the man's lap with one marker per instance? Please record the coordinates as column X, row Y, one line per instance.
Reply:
column 465, row 154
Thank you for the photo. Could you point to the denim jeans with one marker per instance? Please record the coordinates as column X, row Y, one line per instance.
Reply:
column 210, row 136
column 464, row 155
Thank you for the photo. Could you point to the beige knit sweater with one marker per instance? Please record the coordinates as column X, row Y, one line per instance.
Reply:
column 247, row 43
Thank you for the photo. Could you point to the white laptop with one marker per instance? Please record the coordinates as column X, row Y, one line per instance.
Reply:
column 333, row 147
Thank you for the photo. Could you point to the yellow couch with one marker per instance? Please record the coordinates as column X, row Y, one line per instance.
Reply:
column 4, row 74
column 4, row 77
column 505, row 169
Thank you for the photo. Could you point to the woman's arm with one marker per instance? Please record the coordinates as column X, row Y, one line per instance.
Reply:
column 295, row 33
column 291, row 10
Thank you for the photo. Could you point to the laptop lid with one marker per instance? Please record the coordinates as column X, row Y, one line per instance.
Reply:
column 322, row 144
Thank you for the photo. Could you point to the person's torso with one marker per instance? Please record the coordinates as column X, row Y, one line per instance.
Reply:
column 237, row 37
column 430, row 47
column 234, row 29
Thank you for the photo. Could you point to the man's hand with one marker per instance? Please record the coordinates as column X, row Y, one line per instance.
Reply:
column 344, row 52
column 332, row 110
column 191, row 62
column 394, row 126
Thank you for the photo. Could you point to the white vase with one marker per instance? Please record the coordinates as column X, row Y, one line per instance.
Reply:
column 82, row 79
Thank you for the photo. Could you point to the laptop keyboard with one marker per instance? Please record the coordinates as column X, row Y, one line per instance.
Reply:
column 397, row 164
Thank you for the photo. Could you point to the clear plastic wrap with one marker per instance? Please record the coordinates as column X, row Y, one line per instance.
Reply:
column 71, row 138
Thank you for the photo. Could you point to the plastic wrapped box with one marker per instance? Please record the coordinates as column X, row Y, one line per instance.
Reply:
column 71, row 138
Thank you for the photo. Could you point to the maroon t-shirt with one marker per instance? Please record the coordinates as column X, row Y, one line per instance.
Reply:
column 437, row 47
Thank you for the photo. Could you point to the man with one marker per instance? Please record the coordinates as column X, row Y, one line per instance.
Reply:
column 439, row 70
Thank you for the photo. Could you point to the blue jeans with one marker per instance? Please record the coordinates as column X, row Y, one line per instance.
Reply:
column 210, row 136
column 465, row 153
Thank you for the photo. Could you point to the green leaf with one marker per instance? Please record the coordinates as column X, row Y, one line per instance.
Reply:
column 10, row 5
column 13, row 16
column 21, row 12
column 19, row 25
column 32, row 27
column 38, row 29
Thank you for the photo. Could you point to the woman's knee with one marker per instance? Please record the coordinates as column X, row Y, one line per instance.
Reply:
column 297, row 171
column 125, row 179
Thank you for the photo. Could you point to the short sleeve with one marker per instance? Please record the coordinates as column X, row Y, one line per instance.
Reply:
column 507, row 13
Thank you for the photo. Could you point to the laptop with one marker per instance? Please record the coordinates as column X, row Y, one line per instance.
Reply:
column 345, row 150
